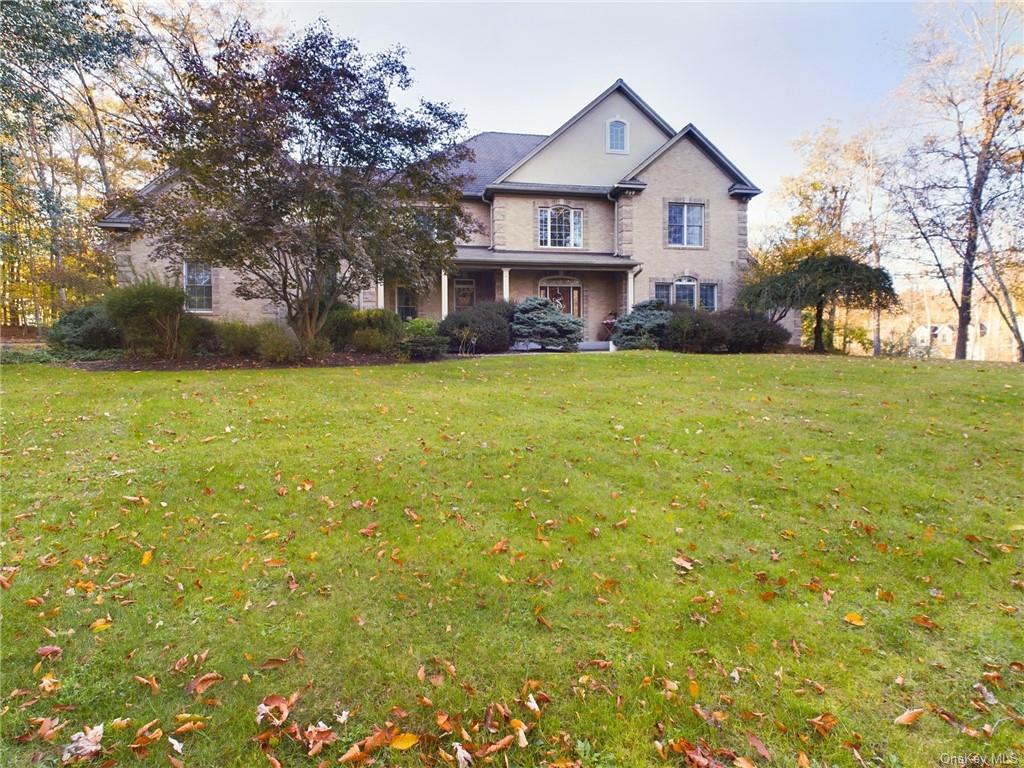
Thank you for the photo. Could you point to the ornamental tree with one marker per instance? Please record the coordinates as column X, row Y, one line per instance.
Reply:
column 293, row 166
column 537, row 320
column 816, row 282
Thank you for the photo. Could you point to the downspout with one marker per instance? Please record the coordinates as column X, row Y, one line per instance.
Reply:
column 490, row 217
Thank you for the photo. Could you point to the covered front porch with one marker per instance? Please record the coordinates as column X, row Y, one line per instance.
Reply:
column 594, row 287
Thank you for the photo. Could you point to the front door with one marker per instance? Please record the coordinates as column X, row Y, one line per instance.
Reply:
column 565, row 297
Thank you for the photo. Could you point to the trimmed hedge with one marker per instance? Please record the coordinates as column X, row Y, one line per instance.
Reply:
column 748, row 331
column 538, row 321
column 371, row 340
column 344, row 322
column 483, row 328
column 694, row 330
column 679, row 328
column 148, row 315
column 275, row 344
column 238, row 339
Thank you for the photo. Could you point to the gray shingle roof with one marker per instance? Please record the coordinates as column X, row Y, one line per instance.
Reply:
column 493, row 154
column 481, row 255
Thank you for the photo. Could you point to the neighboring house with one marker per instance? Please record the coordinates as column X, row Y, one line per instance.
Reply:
column 613, row 208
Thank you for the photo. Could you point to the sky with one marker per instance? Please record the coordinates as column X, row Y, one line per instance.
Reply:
column 753, row 77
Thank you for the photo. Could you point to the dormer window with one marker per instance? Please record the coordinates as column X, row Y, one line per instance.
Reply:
column 618, row 136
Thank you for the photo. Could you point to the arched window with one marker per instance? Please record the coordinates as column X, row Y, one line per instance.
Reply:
column 565, row 292
column 560, row 227
column 618, row 136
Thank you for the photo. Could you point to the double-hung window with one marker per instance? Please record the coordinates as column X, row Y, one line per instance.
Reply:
column 198, row 287
column 560, row 227
column 709, row 296
column 663, row 293
column 686, row 292
column 686, row 224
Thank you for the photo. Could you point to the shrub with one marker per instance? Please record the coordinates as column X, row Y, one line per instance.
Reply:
column 538, row 321
column 11, row 355
column 319, row 349
column 489, row 324
column 694, row 330
column 339, row 326
column 238, row 339
column 748, row 331
column 371, row 340
column 86, row 328
column 275, row 344
column 198, row 334
column 642, row 328
column 344, row 322
column 424, row 346
column 420, row 326
column 148, row 315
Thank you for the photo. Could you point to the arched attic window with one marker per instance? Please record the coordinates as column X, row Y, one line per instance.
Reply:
column 617, row 136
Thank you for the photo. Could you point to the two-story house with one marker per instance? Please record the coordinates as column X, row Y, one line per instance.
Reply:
column 613, row 208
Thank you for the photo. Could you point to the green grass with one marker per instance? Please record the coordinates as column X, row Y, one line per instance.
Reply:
column 787, row 478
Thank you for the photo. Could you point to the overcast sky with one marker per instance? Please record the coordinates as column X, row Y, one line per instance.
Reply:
column 753, row 77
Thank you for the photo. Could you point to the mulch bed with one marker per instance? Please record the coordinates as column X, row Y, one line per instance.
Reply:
column 336, row 360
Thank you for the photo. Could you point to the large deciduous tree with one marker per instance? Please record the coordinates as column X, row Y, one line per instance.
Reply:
column 292, row 165
column 961, row 186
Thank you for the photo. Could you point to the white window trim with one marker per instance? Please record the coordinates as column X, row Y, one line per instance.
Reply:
column 184, row 285
column 703, row 225
column 700, row 303
column 689, row 281
column 572, row 215
column 608, row 137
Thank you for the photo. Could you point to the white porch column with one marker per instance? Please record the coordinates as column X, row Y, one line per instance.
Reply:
column 630, row 291
column 380, row 294
column 444, row 294
column 504, row 282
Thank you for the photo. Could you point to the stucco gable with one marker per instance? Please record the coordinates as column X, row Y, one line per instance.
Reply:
column 577, row 152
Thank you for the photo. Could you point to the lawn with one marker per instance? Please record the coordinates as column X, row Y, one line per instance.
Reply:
column 595, row 554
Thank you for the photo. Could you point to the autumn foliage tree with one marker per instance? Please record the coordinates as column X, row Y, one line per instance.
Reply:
column 292, row 165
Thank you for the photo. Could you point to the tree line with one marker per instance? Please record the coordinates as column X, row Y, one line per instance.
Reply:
column 939, row 188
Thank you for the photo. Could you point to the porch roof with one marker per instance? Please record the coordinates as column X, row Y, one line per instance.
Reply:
column 468, row 255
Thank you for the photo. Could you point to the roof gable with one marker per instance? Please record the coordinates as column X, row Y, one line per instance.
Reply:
column 741, row 186
column 575, row 153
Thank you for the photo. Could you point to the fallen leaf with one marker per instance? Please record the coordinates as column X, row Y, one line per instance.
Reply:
column 854, row 618
column 85, row 744
column 909, row 717
column 404, row 741
column 823, row 723
column 200, row 683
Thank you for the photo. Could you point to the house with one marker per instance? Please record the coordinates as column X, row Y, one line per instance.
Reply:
column 613, row 208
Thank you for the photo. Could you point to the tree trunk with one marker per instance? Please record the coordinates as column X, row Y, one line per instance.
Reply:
column 876, row 342
column 963, row 322
column 819, row 322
